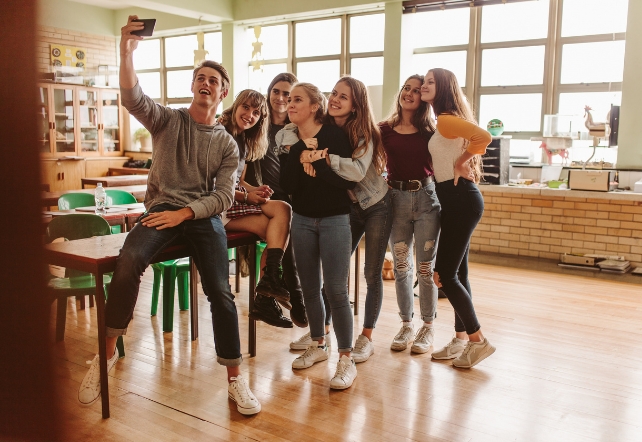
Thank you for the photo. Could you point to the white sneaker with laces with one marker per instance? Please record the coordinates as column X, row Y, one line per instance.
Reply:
column 474, row 353
column 452, row 350
column 363, row 348
column 345, row 374
column 403, row 338
column 312, row 355
column 423, row 340
column 246, row 403
column 304, row 342
column 89, row 390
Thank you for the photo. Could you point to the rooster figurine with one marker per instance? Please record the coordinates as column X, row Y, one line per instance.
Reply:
column 599, row 130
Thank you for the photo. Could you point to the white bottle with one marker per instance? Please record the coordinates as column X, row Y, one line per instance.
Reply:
column 100, row 196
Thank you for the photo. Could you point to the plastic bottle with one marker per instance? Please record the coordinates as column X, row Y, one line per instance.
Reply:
column 100, row 196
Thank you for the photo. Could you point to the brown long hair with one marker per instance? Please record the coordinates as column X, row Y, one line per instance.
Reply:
column 450, row 100
column 316, row 97
column 361, row 124
column 284, row 76
column 421, row 119
column 256, row 137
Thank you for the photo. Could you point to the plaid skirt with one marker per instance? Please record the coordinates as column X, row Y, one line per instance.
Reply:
column 240, row 209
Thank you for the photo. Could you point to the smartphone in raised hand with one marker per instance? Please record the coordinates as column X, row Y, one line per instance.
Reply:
column 148, row 30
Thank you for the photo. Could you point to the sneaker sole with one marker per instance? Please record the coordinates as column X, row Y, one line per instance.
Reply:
column 419, row 350
column 444, row 358
column 308, row 366
column 285, row 304
column 245, row 411
column 273, row 324
column 298, row 346
column 359, row 360
column 399, row 347
column 487, row 353
column 279, row 298
column 342, row 387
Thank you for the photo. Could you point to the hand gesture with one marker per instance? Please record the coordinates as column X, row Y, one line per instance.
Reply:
column 129, row 42
column 464, row 171
column 309, row 169
column 167, row 219
column 257, row 197
column 266, row 190
column 311, row 143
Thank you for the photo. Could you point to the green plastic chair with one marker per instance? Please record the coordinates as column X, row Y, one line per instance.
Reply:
column 116, row 196
column 75, row 283
column 169, row 271
column 72, row 200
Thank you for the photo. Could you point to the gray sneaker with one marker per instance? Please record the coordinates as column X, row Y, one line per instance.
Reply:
column 452, row 350
column 89, row 390
column 474, row 353
column 312, row 355
column 403, row 338
column 363, row 348
column 423, row 340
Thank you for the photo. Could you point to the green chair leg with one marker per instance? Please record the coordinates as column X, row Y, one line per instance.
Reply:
column 155, row 289
column 260, row 247
column 169, row 289
column 183, row 289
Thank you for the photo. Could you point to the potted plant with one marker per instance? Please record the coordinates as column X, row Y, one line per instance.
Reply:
column 143, row 137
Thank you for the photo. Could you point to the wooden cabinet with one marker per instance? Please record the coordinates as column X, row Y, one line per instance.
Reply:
column 495, row 162
column 100, row 166
column 62, row 174
column 79, row 120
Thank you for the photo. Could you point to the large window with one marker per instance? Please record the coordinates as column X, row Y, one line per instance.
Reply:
column 274, row 55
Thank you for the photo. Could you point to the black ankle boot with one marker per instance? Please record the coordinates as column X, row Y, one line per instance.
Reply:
column 297, row 313
column 270, row 285
column 267, row 310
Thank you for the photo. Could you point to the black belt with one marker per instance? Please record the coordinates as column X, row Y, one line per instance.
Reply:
column 411, row 185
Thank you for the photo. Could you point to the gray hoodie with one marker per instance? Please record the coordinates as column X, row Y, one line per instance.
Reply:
column 188, row 159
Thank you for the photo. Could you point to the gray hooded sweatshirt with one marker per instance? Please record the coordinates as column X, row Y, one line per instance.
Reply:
column 188, row 160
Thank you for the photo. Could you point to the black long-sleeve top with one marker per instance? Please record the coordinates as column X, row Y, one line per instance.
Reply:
column 324, row 195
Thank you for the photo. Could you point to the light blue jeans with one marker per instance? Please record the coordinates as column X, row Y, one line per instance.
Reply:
column 415, row 217
column 323, row 244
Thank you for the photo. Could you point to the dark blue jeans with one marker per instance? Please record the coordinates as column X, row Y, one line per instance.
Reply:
column 207, row 244
column 375, row 222
column 462, row 207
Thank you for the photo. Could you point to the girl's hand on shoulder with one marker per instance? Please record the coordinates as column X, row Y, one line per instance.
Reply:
column 309, row 169
column 311, row 143
column 310, row 156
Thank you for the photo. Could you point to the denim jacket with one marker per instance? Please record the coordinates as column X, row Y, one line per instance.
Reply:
column 371, row 186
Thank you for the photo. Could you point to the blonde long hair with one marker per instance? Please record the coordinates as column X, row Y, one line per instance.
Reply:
column 316, row 97
column 256, row 137
column 361, row 124
column 450, row 100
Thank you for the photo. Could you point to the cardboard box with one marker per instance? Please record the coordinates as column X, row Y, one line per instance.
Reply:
column 597, row 180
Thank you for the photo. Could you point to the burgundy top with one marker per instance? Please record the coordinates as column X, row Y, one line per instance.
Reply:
column 408, row 156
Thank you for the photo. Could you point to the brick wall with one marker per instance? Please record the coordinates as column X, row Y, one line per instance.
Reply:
column 541, row 224
column 101, row 50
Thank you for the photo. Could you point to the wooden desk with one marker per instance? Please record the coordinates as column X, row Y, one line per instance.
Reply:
column 98, row 256
column 126, row 217
column 51, row 198
column 127, row 171
column 111, row 181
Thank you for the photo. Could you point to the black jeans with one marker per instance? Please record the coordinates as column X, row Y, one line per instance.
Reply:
column 207, row 244
column 461, row 209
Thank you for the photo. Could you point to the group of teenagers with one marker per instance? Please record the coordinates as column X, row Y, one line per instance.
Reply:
column 311, row 176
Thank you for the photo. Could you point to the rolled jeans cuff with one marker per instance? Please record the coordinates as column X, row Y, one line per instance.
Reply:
column 429, row 318
column 346, row 350
column 229, row 362
column 406, row 318
column 116, row 332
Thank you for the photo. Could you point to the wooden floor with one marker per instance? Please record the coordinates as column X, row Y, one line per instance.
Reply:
column 567, row 368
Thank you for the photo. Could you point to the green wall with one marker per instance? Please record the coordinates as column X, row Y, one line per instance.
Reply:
column 76, row 17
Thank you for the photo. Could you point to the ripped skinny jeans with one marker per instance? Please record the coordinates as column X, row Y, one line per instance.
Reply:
column 415, row 224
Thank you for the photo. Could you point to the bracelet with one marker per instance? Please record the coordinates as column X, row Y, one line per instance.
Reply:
column 245, row 197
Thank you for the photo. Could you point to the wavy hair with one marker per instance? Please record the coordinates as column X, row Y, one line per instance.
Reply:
column 421, row 119
column 284, row 76
column 361, row 124
column 256, row 137
column 316, row 97
column 449, row 99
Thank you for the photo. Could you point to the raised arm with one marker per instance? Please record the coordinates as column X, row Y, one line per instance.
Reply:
column 128, row 44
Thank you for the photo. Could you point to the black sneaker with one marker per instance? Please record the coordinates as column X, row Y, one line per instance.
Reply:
column 297, row 313
column 267, row 310
column 270, row 285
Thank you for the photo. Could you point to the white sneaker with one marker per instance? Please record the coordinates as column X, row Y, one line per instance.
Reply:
column 474, row 353
column 363, row 348
column 345, row 374
column 89, row 390
column 423, row 340
column 246, row 403
column 452, row 350
column 403, row 338
column 304, row 342
column 312, row 355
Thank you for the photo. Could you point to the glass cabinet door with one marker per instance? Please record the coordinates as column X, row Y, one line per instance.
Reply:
column 110, row 112
column 44, row 121
column 64, row 122
column 88, row 120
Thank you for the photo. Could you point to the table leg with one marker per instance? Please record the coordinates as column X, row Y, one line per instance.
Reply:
column 102, row 344
column 357, row 259
column 251, row 337
column 193, row 298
